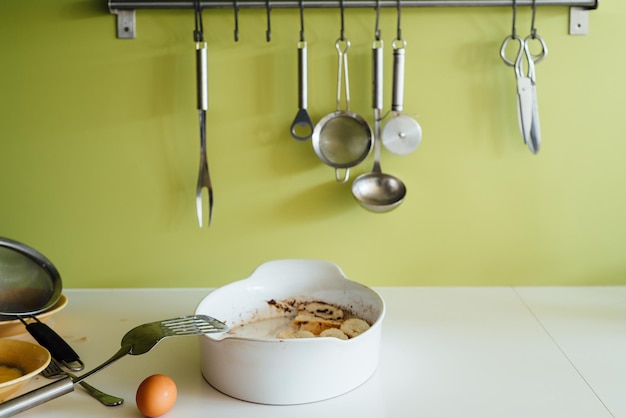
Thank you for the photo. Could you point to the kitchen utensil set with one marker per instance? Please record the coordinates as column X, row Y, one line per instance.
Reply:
column 343, row 139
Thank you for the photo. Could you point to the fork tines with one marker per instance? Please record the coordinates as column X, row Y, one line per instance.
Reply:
column 53, row 370
column 192, row 325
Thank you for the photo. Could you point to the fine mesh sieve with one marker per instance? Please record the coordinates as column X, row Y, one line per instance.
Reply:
column 342, row 139
column 29, row 283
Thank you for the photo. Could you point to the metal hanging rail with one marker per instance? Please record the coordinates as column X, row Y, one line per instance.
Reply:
column 276, row 4
column 125, row 9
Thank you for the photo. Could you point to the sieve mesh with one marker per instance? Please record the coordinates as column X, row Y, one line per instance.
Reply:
column 344, row 141
column 28, row 281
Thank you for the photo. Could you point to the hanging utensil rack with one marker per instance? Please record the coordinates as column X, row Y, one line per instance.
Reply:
column 126, row 22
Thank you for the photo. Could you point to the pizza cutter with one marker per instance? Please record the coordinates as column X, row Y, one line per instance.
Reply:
column 402, row 134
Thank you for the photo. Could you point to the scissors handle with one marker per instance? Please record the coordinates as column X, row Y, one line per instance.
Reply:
column 524, row 43
column 505, row 45
column 543, row 51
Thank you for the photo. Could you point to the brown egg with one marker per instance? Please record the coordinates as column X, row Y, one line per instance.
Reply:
column 156, row 395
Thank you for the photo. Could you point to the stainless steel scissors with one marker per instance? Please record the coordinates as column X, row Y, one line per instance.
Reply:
column 527, row 108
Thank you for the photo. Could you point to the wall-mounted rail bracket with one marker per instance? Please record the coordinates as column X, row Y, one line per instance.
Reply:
column 126, row 25
column 578, row 21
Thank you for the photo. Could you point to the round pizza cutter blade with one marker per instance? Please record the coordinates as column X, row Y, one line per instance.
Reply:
column 402, row 135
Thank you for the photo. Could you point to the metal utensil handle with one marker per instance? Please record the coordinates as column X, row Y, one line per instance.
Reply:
column 339, row 72
column 397, row 100
column 377, row 74
column 346, row 79
column 302, row 76
column 342, row 46
column 201, row 75
column 36, row 397
column 54, row 371
column 377, row 78
column 104, row 398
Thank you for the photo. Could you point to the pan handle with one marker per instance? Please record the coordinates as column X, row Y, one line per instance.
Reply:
column 59, row 349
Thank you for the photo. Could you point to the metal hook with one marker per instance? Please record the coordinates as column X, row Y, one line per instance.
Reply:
column 399, row 6
column 533, row 29
column 268, row 32
column 236, row 11
column 513, row 30
column 377, row 29
column 342, row 33
column 198, row 33
column 301, row 20
column 399, row 43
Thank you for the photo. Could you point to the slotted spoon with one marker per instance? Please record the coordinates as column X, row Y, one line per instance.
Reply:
column 137, row 341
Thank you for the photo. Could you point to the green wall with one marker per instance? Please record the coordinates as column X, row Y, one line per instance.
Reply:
column 99, row 148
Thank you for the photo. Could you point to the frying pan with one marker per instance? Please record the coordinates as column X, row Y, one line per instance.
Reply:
column 29, row 285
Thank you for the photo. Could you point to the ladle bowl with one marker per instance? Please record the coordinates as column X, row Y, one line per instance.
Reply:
column 378, row 192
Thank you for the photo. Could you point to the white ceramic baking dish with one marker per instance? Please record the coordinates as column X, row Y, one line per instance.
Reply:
column 268, row 370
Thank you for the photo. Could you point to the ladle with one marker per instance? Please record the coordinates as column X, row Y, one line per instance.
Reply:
column 377, row 191
column 29, row 285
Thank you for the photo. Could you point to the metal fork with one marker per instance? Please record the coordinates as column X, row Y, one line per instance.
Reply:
column 204, row 179
column 54, row 371
column 138, row 340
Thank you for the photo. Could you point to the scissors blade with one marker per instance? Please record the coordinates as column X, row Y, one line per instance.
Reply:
column 525, row 106
column 535, row 130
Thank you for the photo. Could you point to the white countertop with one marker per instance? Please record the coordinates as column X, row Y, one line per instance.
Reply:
column 446, row 352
